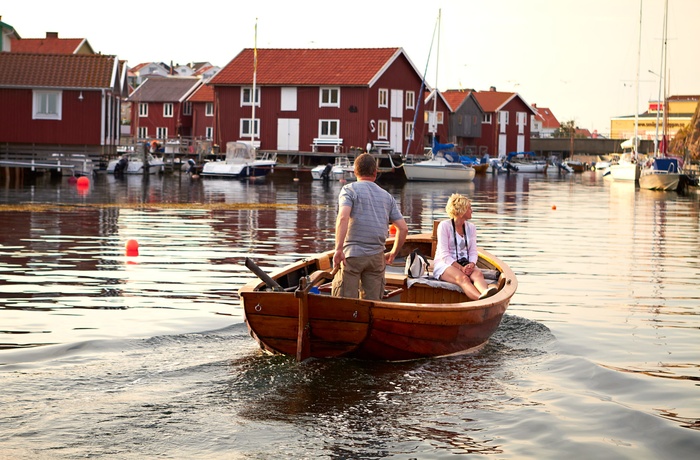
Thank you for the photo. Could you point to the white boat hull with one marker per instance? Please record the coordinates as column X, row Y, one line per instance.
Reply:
column 659, row 180
column 155, row 165
column 438, row 169
column 625, row 172
column 241, row 170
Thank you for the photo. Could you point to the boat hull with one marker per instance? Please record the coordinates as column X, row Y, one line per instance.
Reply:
column 659, row 180
column 414, row 322
column 438, row 172
column 237, row 170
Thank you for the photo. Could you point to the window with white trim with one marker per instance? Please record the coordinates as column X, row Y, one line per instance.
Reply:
column 249, row 128
column 161, row 133
column 383, row 129
column 408, row 131
column 383, row 97
column 143, row 109
column 247, row 96
column 187, row 108
column 486, row 119
column 209, row 132
column 47, row 105
column 410, row 100
column 143, row 132
column 209, row 109
column 168, row 110
column 329, row 129
column 329, row 97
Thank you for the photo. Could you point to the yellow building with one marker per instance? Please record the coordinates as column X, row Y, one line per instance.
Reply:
column 680, row 111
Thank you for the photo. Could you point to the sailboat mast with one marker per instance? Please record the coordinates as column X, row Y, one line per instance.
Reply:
column 639, row 57
column 255, row 73
column 664, row 70
column 437, row 68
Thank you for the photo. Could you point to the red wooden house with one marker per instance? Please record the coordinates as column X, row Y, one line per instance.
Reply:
column 202, row 100
column 71, row 101
column 160, row 110
column 436, row 115
column 308, row 99
column 505, row 127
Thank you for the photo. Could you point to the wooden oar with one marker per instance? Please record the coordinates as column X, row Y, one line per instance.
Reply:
column 272, row 284
column 302, row 293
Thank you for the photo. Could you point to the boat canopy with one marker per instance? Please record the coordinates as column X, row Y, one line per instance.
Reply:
column 520, row 154
column 629, row 143
column 237, row 151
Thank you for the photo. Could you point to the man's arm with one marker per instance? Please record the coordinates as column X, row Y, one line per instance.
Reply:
column 401, row 234
column 341, row 232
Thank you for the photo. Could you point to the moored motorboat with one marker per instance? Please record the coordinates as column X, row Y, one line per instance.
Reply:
column 438, row 168
column 660, row 174
column 291, row 312
column 78, row 164
column 240, row 162
column 133, row 163
column 341, row 170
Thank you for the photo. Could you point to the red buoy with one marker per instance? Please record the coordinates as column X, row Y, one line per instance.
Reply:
column 132, row 248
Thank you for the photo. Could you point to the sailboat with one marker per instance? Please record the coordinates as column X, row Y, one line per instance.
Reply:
column 441, row 165
column 661, row 173
column 627, row 168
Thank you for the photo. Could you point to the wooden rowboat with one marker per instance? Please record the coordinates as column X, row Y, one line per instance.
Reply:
column 291, row 312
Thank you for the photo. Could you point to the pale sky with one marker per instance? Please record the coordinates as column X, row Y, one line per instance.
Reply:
column 578, row 58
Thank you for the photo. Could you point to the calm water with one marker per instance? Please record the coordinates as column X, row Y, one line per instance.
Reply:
column 104, row 355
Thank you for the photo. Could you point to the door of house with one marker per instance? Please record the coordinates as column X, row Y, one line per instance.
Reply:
column 502, row 144
column 288, row 134
column 396, row 136
column 521, row 143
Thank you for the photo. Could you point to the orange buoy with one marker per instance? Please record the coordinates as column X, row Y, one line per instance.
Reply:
column 132, row 248
column 83, row 181
column 392, row 229
column 554, row 206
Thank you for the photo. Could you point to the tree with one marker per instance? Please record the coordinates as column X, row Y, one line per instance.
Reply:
column 566, row 129
column 687, row 139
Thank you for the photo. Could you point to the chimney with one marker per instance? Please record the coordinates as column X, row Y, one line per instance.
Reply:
column 51, row 34
column 492, row 89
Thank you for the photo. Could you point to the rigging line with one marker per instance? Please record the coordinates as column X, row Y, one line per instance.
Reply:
column 422, row 85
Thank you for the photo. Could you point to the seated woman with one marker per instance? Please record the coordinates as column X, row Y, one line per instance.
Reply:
column 456, row 253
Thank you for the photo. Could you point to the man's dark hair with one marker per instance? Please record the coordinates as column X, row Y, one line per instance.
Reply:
column 365, row 165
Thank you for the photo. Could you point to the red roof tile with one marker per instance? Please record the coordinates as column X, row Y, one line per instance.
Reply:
column 455, row 97
column 311, row 67
column 47, row 45
column 547, row 117
column 205, row 93
column 24, row 70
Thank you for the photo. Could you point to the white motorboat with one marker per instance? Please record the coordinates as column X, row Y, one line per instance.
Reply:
column 438, row 168
column 626, row 168
column 343, row 169
column 133, row 163
column 78, row 164
column 660, row 174
column 240, row 162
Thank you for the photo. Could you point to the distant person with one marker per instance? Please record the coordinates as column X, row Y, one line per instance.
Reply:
column 365, row 212
column 456, row 252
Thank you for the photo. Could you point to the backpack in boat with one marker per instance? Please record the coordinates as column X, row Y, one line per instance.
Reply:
column 416, row 265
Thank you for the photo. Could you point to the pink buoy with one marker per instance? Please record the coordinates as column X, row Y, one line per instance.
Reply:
column 132, row 248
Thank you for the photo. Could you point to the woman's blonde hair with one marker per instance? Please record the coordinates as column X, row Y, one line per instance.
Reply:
column 457, row 205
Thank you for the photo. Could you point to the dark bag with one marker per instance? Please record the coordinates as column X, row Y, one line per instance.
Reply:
column 416, row 265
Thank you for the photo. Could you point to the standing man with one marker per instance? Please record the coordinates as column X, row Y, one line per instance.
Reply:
column 364, row 214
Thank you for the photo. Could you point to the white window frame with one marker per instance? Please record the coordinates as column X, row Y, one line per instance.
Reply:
column 143, row 109
column 187, row 108
column 408, row 131
column 410, row 100
column 47, row 105
column 209, row 132
column 209, row 109
column 143, row 132
column 383, row 129
column 487, row 119
column 329, row 129
column 329, row 96
column 167, row 110
column 383, row 97
column 245, row 128
column 246, row 92
column 161, row 132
